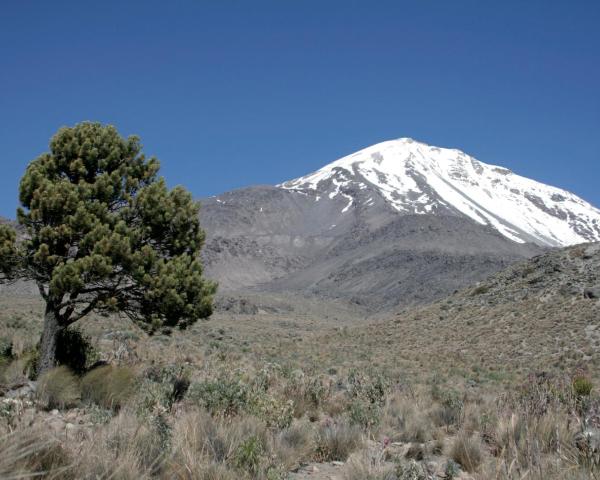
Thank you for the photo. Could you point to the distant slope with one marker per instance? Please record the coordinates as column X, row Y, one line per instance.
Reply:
column 541, row 314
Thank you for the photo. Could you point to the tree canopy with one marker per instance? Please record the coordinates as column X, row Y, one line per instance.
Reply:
column 9, row 259
column 104, row 233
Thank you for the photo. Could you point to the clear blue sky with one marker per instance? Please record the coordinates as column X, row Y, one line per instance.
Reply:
column 232, row 93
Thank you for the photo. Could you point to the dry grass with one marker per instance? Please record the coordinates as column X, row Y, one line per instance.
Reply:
column 108, row 386
column 58, row 388
column 336, row 440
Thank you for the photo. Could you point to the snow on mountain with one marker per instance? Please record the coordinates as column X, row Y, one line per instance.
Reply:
column 415, row 178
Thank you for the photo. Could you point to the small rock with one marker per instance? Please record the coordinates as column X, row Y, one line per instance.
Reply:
column 54, row 412
column 337, row 463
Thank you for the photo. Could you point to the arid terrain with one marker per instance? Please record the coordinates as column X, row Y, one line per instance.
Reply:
column 495, row 381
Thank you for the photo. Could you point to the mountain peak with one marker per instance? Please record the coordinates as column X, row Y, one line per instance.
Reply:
column 415, row 178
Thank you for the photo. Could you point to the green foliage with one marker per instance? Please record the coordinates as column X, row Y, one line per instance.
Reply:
column 6, row 347
column 107, row 386
column 9, row 259
column 411, row 471
column 582, row 386
column 364, row 414
column 276, row 412
column 159, row 389
column 104, row 233
column 220, row 397
column 74, row 349
column 451, row 411
column 367, row 398
column 452, row 470
column 58, row 388
column 371, row 387
column 249, row 454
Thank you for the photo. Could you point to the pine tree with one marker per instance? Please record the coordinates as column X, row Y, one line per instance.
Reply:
column 9, row 259
column 103, row 233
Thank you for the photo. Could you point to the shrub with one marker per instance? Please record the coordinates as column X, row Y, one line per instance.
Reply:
column 367, row 394
column 336, row 441
column 275, row 412
column 582, row 386
column 108, row 386
column 248, row 455
column 220, row 397
column 411, row 471
column 174, row 381
column 372, row 388
column 451, row 470
column 75, row 350
column 466, row 450
column 6, row 349
column 451, row 411
column 58, row 388
column 364, row 414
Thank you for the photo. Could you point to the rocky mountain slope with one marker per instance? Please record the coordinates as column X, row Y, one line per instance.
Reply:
column 540, row 314
column 397, row 224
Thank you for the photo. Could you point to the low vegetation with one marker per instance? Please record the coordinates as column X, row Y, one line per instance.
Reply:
column 226, row 416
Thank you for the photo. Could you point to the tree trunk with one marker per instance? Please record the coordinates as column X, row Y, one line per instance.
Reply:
column 49, row 340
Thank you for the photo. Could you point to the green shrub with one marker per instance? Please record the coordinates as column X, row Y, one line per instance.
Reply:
column 6, row 348
column 582, row 386
column 58, row 388
column 108, row 386
column 411, row 471
column 364, row 414
column 372, row 387
column 275, row 412
column 75, row 350
column 451, row 470
column 451, row 411
column 367, row 397
column 220, row 397
column 248, row 456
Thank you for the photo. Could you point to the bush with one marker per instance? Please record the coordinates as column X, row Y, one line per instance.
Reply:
column 364, row 414
column 367, row 398
column 466, row 450
column 58, row 388
column 411, row 471
column 451, row 411
column 6, row 349
column 108, row 386
column 248, row 455
column 220, row 397
column 336, row 441
column 75, row 350
column 275, row 412
column 173, row 380
column 582, row 386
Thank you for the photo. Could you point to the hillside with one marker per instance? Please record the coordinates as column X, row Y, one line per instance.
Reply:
column 540, row 314
column 394, row 225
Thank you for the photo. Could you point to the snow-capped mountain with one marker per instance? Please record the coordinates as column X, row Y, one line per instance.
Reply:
column 415, row 178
